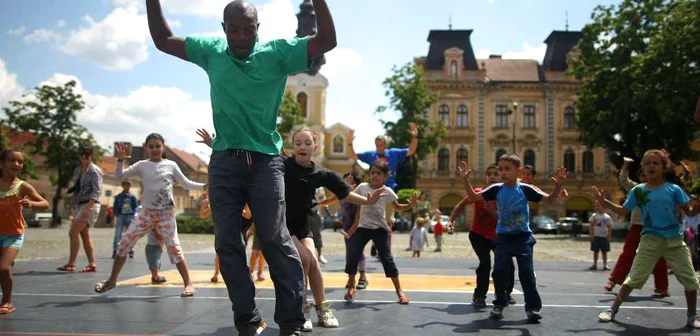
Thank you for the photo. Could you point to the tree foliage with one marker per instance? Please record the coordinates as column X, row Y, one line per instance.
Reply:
column 639, row 62
column 411, row 97
column 50, row 114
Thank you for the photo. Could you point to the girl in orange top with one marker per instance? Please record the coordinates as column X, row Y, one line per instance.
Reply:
column 15, row 194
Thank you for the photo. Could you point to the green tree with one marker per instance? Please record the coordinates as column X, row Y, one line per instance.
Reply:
column 50, row 114
column 639, row 62
column 290, row 115
column 411, row 97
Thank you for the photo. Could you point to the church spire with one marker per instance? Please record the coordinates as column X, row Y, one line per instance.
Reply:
column 307, row 27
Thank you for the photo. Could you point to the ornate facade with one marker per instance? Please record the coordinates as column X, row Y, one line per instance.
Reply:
column 495, row 106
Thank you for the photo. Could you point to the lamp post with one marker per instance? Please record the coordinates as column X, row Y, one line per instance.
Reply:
column 512, row 112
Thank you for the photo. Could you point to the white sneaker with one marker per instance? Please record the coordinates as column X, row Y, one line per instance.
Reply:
column 323, row 260
column 308, row 326
column 693, row 322
column 606, row 316
column 325, row 316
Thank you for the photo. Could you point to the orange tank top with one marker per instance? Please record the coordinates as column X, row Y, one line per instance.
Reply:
column 11, row 219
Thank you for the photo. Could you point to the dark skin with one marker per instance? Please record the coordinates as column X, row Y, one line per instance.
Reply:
column 241, row 28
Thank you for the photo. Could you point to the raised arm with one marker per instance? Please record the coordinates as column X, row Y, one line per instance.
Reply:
column 465, row 172
column 624, row 178
column 349, row 148
column 413, row 146
column 558, row 186
column 160, row 32
column 618, row 209
column 324, row 40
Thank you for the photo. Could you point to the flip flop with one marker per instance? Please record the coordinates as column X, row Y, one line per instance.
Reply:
column 350, row 295
column 188, row 292
column 7, row 309
column 158, row 280
column 104, row 286
column 89, row 268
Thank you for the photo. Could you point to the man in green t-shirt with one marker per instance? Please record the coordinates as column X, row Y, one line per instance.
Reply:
column 247, row 81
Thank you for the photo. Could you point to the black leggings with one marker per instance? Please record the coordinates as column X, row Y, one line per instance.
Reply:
column 380, row 237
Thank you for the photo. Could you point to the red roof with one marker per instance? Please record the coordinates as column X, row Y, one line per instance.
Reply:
column 192, row 161
column 510, row 70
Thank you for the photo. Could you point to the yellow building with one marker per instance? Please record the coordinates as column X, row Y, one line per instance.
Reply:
column 495, row 106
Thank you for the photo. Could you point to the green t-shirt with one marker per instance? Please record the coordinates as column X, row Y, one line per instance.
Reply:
column 246, row 94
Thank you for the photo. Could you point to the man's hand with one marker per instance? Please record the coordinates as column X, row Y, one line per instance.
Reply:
column 413, row 129
column 206, row 138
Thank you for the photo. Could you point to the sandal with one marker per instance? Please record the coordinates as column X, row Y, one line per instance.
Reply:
column 350, row 295
column 104, row 286
column 158, row 280
column 188, row 292
column 88, row 268
column 403, row 299
column 7, row 308
column 67, row 268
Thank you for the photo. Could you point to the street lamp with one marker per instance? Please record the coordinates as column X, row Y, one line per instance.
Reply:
column 512, row 112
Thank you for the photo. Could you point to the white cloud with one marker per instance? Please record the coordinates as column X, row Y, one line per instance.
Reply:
column 528, row 52
column 118, row 42
column 42, row 35
column 10, row 89
column 201, row 8
column 341, row 60
column 61, row 23
column 165, row 110
column 17, row 31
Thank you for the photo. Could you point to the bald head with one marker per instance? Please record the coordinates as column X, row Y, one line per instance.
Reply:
column 240, row 8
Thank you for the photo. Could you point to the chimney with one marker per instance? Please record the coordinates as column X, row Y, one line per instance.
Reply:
column 494, row 56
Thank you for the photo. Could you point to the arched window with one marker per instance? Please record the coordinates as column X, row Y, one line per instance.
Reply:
column 570, row 160
column 588, row 161
column 499, row 153
column 454, row 70
column 462, row 116
column 569, row 118
column 444, row 115
column 529, row 157
column 303, row 101
column 338, row 144
column 462, row 155
column 443, row 160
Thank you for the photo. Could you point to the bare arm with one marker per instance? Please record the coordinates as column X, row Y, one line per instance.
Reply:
column 35, row 200
column 413, row 146
column 329, row 201
column 558, row 186
column 459, row 208
column 624, row 178
column 471, row 194
column 349, row 148
column 618, row 209
column 324, row 40
column 161, row 34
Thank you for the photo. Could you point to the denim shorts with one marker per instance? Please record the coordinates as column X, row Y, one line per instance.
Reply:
column 14, row 242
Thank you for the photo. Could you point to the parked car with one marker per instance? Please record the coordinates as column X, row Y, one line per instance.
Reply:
column 543, row 224
column 401, row 224
column 443, row 219
column 570, row 225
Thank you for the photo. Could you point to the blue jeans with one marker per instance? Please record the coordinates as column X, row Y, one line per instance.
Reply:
column 237, row 177
column 120, row 224
column 519, row 246
column 154, row 250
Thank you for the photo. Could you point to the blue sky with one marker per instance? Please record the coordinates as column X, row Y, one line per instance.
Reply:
column 132, row 89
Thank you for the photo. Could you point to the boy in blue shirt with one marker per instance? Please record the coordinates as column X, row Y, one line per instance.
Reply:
column 514, row 235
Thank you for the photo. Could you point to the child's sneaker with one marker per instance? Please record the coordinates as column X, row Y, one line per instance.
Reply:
column 693, row 322
column 497, row 313
column 325, row 316
column 479, row 302
column 308, row 326
column 534, row 316
column 607, row 315
column 511, row 300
